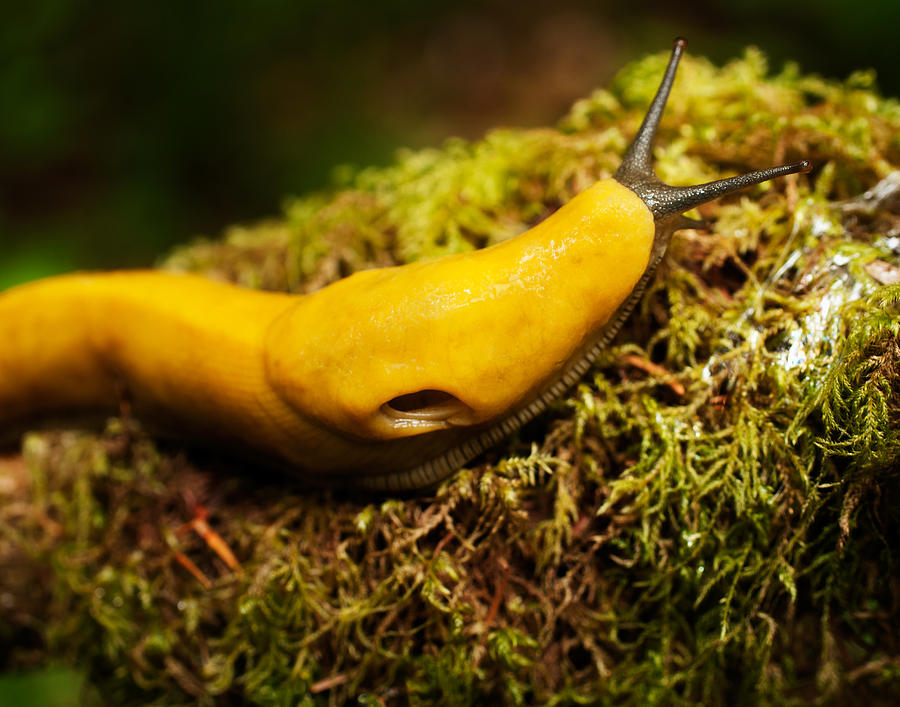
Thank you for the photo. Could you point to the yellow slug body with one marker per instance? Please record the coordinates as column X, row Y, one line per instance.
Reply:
column 183, row 349
column 487, row 327
column 390, row 378
column 305, row 378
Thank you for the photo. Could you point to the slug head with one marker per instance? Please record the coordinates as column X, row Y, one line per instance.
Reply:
column 428, row 364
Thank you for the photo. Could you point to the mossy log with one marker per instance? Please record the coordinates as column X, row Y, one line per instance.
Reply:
column 709, row 517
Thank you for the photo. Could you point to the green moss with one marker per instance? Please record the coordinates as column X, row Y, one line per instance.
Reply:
column 720, row 530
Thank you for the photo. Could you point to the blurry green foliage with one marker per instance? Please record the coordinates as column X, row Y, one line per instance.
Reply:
column 52, row 687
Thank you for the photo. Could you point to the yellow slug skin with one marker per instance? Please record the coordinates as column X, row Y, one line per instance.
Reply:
column 185, row 351
column 305, row 379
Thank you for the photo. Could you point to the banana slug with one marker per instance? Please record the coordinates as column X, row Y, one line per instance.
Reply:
column 391, row 378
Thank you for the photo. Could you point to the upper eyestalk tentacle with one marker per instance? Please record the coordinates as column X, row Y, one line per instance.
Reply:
column 667, row 202
column 638, row 161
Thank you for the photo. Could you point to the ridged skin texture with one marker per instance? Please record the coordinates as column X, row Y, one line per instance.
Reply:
column 305, row 379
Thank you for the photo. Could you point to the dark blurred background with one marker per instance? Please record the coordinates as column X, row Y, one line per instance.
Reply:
column 128, row 127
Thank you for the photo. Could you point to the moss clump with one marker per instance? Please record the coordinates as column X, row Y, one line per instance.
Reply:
column 710, row 516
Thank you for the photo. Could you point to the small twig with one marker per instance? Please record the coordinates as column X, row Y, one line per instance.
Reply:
column 655, row 370
column 200, row 526
column 328, row 683
column 498, row 595
column 185, row 562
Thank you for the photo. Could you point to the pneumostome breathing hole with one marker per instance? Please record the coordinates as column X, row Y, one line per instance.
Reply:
column 424, row 404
